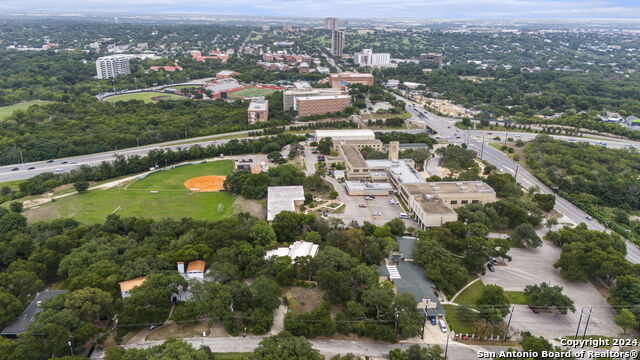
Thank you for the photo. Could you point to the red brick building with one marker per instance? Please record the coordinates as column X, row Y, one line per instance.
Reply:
column 313, row 105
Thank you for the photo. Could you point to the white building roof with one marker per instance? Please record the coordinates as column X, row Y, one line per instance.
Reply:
column 323, row 97
column 282, row 198
column 400, row 169
column 259, row 105
column 357, row 185
column 346, row 134
column 295, row 250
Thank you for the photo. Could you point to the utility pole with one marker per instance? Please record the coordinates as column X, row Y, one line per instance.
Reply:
column 587, row 323
column 517, row 167
column 21, row 158
column 506, row 334
column 446, row 347
column 482, row 148
column 579, row 321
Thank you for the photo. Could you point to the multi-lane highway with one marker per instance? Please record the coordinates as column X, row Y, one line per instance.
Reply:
column 445, row 127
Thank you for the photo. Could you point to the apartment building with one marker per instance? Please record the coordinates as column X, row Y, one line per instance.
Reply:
column 289, row 95
column 348, row 78
column 258, row 110
column 331, row 23
column 337, row 43
column 112, row 66
column 313, row 105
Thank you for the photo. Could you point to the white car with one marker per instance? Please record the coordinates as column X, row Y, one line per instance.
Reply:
column 59, row 170
column 404, row 216
column 376, row 213
column 443, row 325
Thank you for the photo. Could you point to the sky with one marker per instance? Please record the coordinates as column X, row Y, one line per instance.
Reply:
column 426, row 9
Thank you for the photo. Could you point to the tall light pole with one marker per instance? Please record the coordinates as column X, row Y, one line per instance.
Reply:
column 482, row 148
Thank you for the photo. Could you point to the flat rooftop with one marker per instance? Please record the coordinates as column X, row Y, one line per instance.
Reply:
column 357, row 185
column 282, row 198
column 323, row 97
column 364, row 134
column 360, row 142
column 434, row 206
column 401, row 169
column 20, row 324
column 351, row 75
column 259, row 105
column 353, row 156
column 450, row 187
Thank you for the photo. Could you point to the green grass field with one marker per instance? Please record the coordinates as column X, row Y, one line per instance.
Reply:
column 472, row 293
column 459, row 319
column 172, row 200
column 144, row 96
column 6, row 111
column 251, row 92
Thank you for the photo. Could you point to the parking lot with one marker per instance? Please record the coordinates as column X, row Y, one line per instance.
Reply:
column 381, row 205
column 533, row 266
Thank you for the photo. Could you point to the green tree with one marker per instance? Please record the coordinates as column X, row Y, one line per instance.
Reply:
column 325, row 145
column 546, row 296
column 626, row 320
column 16, row 207
column 285, row 346
column 396, row 226
column 493, row 304
column 81, row 186
column 12, row 221
column 169, row 350
column 524, row 235
column 417, row 352
column 262, row 234
column 10, row 307
column 546, row 202
column 89, row 304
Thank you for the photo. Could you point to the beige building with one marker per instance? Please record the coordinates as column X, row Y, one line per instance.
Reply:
column 348, row 78
column 258, row 110
column 433, row 203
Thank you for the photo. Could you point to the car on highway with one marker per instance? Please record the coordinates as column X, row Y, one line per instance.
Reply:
column 31, row 168
column 589, row 217
column 59, row 170
column 15, row 169
column 49, row 161
column 376, row 213
column 64, row 162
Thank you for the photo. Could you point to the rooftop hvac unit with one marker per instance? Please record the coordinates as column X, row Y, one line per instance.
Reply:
column 428, row 197
column 435, row 187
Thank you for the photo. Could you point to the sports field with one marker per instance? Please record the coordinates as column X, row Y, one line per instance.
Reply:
column 5, row 111
column 146, row 96
column 251, row 92
column 160, row 195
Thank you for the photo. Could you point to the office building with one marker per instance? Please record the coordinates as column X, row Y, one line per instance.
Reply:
column 258, row 110
column 298, row 249
column 314, row 105
column 339, row 135
column 368, row 58
column 431, row 57
column 331, row 23
column 289, row 95
column 111, row 66
column 337, row 42
column 349, row 78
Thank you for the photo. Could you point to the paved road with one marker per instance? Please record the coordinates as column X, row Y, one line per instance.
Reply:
column 329, row 59
column 326, row 347
column 445, row 127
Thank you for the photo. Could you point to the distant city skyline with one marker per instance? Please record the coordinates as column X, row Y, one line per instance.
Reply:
column 419, row 9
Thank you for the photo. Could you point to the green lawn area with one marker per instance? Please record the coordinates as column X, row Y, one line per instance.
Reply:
column 12, row 184
column 171, row 201
column 174, row 179
column 469, row 295
column 144, row 96
column 6, row 111
column 231, row 356
column 252, row 92
column 517, row 297
column 460, row 320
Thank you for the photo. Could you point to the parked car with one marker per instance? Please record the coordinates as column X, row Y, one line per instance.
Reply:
column 151, row 327
column 443, row 325
column 433, row 320
column 534, row 309
column 325, row 213
column 404, row 216
column 491, row 267
column 369, row 197
column 362, row 205
column 376, row 213
column 493, row 261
